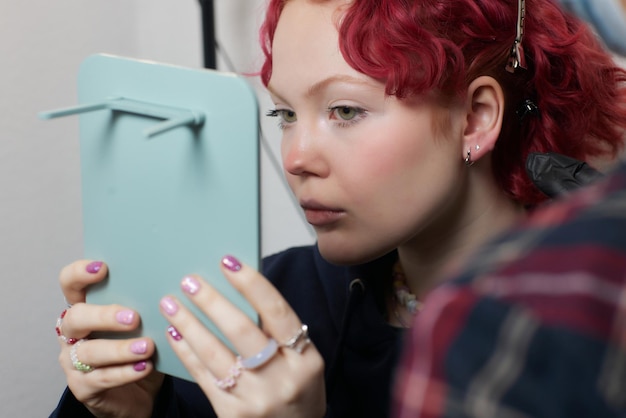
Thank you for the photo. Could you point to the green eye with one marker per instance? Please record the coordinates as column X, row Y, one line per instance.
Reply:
column 289, row 116
column 346, row 112
column 286, row 116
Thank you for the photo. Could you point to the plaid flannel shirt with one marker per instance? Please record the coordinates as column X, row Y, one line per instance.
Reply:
column 535, row 327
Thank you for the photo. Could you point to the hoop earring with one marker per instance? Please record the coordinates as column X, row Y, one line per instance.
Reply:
column 468, row 158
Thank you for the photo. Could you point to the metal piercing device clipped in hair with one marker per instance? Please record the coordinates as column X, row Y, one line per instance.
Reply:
column 516, row 56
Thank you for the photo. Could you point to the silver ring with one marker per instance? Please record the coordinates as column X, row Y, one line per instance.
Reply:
column 299, row 341
column 79, row 365
column 260, row 358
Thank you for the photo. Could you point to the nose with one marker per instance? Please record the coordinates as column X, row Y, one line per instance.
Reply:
column 303, row 155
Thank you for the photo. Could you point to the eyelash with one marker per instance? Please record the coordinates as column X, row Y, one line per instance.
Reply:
column 275, row 113
column 342, row 123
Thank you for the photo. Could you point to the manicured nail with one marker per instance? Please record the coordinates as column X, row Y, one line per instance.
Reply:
column 94, row 267
column 174, row 333
column 140, row 366
column 169, row 305
column 231, row 263
column 190, row 285
column 139, row 347
column 125, row 317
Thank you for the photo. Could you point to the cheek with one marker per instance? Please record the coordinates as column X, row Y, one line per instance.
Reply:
column 408, row 182
column 399, row 164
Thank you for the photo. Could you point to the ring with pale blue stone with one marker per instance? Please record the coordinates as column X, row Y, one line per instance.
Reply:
column 79, row 365
column 249, row 363
column 260, row 358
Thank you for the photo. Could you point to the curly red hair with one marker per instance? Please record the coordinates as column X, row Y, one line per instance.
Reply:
column 442, row 45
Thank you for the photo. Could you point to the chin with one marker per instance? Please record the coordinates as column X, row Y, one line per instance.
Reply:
column 349, row 255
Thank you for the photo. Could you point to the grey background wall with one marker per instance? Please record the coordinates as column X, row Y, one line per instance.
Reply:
column 41, row 46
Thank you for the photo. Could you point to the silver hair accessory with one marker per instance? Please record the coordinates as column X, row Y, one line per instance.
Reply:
column 516, row 56
column 79, row 365
column 299, row 341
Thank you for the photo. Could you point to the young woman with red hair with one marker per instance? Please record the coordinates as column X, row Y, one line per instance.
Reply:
column 406, row 126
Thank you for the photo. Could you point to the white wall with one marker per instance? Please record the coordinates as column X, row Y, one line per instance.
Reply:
column 41, row 46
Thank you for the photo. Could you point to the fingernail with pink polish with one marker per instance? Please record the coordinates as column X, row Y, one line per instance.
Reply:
column 125, row 317
column 139, row 347
column 174, row 333
column 169, row 305
column 94, row 267
column 140, row 366
column 231, row 263
column 190, row 285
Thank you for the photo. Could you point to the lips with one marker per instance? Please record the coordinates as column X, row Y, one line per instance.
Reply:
column 320, row 215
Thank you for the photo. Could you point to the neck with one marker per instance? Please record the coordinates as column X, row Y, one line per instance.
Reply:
column 447, row 245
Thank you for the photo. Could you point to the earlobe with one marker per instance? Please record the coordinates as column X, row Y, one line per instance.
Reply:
column 484, row 114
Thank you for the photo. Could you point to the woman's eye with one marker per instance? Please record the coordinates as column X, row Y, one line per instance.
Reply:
column 288, row 116
column 346, row 112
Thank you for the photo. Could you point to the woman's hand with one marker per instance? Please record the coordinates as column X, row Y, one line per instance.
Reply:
column 123, row 382
column 289, row 384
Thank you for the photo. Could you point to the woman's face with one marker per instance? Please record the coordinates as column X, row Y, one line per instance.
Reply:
column 371, row 172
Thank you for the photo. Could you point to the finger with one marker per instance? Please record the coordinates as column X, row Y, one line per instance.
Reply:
column 76, row 277
column 197, row 367
column 278, row 318
column 83, row 319
column 237, row 327
column 189, row 332
column 208, row 380
column 85, row 385
column 102, row 353
column 112, row 391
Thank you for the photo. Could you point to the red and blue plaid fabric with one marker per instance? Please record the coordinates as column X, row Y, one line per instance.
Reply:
column 535, row 327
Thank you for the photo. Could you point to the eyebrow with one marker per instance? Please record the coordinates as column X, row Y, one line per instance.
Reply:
column 322, row 84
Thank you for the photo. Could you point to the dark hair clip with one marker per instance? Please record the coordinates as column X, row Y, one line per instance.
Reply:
column 528, row 107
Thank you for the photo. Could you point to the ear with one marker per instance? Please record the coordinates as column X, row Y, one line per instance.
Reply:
column 484, row 111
